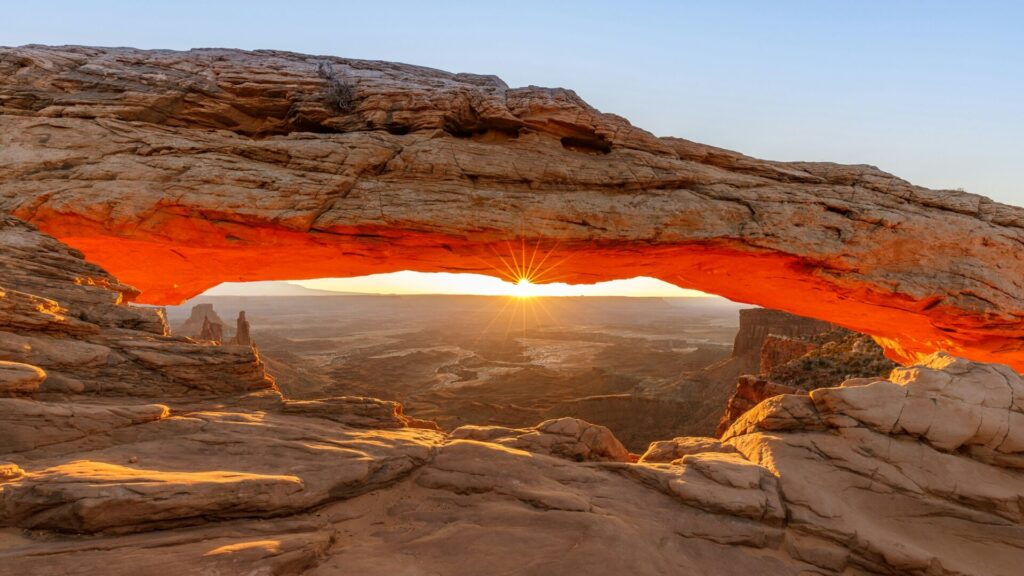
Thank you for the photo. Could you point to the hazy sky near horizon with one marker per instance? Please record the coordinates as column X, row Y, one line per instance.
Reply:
column 932, row 91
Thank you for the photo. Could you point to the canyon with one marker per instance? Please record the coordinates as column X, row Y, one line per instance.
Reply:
column 131, row 176
column 634, row 365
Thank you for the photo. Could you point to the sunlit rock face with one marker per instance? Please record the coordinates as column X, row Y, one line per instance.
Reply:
column 180, row 170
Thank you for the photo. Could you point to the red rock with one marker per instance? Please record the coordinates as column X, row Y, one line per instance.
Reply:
column 778, row 350
column 750, row 391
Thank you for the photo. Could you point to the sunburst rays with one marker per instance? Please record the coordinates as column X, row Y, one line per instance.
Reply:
column 527, row 268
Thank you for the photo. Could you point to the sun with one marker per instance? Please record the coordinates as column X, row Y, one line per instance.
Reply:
column 523, row 288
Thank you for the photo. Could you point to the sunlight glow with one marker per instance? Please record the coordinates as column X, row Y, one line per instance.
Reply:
column 407, row 282
column 525, row 288
column 524, row 272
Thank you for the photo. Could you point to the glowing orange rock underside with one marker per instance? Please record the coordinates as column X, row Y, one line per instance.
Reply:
column 171, row 265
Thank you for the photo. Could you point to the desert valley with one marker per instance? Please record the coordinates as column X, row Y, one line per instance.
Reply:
column 646, row 368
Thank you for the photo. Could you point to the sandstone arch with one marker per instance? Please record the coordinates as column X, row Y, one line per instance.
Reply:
column 177, row 171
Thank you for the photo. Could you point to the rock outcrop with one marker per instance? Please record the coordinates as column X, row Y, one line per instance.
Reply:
column 242, row 335
column 566, row 437
column 18, row 378
column 201, row 315
column 925, row 440
column 791, row 365
column 271, row 165
column 357, row 412
column 707, row 391
column 777, row 351
column 750, row 391
column 65, row 318
column 211, row 332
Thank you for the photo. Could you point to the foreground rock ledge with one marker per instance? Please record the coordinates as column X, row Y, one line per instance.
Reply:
column 179, row 170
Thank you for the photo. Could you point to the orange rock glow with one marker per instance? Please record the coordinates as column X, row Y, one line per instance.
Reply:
column 189, row 256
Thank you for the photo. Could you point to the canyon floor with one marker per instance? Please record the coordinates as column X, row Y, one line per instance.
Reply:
column 505, row 361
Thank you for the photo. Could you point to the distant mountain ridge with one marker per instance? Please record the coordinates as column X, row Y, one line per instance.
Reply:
column 271, row 288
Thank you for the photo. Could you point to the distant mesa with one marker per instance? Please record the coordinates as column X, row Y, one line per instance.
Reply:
column 205, row 324
column 202, row 317
column 270, row 288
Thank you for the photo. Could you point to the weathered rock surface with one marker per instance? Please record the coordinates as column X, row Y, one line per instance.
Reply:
column 67, row 317
column 869, row 493
column 18, row 378
column 750, row 391
column 29, row 424
column 358, row 412
column 665, row 451
column 269, row 165
column 566, row 437
column 191, row 469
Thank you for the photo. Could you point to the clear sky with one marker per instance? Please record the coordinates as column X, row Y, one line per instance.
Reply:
column 930, row 90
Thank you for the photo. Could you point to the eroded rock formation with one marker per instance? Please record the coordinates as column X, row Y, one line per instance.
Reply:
column 777, row 351
column 66, row 318
column 201, row 315
column 211, row 332
column 792, row 365
column 242, row 335
column 750, row 391
column 179, row 170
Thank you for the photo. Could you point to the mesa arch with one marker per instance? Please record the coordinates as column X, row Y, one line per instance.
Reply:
column 176, row 171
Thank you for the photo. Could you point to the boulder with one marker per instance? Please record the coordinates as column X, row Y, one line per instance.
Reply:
column 566, row 437
column 18, row 378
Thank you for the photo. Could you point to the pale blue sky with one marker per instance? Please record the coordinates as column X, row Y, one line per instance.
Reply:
column 930, row 90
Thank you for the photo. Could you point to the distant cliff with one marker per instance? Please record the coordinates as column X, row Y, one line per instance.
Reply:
column 756, row 324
